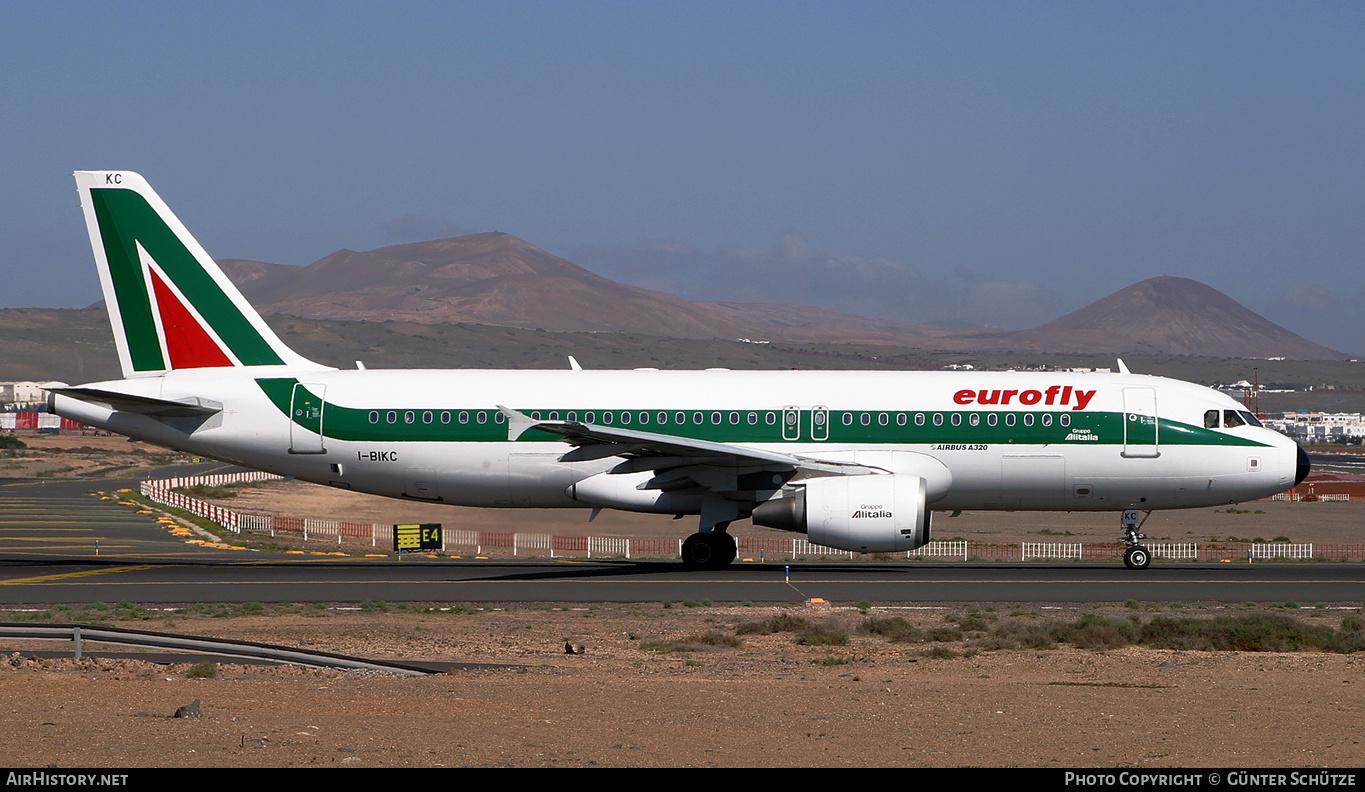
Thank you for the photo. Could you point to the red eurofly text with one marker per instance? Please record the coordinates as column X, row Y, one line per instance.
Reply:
column 1056, row 395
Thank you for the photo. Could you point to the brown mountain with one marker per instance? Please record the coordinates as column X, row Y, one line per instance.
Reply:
column 1171, row 316
column 498, row 279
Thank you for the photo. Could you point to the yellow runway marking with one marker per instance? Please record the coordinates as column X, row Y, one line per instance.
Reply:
column 48, row 546
column 69, row 575
column 31, row 538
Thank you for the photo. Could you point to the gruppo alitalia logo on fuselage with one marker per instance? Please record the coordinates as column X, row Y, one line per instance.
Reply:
column 1053, row 395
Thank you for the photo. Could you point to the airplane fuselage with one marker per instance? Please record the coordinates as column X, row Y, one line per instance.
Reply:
column 1058, row 441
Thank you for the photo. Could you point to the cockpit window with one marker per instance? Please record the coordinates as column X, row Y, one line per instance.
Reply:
column 1211, row 419
column 1232, row 418
column 1250, row 418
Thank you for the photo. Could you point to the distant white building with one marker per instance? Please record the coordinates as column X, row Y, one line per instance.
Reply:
column 26, row 392
column 1309, row 427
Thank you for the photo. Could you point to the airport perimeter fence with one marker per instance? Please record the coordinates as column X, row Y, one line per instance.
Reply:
column 751, row 548
column 1325, row 497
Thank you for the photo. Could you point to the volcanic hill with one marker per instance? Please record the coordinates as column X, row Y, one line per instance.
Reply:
column 497, row 279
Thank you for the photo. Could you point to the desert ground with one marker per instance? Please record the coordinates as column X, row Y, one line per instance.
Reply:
column 633, row 698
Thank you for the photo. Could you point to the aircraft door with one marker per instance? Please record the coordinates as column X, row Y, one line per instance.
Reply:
column 305, row 419
column 819, row 423
column 1140, row 423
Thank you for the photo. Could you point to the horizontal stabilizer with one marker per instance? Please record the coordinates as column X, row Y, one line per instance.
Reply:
column 146, row 405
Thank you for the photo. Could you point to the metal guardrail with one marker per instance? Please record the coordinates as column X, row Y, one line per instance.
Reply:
column 79, row 633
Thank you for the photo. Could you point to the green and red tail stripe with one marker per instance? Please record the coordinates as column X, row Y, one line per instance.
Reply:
column 170, row 305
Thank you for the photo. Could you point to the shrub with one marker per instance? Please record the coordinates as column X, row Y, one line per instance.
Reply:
column 782, row 622
column 894, row 629
column 203, row 671
column 822, row 634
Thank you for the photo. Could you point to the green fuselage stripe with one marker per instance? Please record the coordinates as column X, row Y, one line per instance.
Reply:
column 1072, row 428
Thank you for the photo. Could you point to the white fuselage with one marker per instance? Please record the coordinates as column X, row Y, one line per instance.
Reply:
column 1051, row 441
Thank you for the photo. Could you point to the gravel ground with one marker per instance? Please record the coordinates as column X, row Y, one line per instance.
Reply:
column 768, row 702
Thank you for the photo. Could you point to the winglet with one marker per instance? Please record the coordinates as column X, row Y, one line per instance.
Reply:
column 1123, row 367
column 573, row 364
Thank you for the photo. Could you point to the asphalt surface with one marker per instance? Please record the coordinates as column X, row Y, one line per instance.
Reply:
column 58, row 544
column 1349, row 464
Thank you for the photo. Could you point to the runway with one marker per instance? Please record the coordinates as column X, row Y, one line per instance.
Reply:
column 49, row 533
column 151, row 582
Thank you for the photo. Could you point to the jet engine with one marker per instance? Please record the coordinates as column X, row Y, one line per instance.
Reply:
column 880, row 513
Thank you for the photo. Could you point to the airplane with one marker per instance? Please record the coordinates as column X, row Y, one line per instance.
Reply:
column 856, row 460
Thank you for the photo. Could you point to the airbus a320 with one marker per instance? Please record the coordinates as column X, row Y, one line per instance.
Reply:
column 855, row 460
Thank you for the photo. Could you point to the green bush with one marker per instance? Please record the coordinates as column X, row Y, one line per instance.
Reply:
column 203, row 671
column 894, row 629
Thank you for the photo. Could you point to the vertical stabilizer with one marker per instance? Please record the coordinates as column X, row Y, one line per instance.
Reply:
column 170, row 305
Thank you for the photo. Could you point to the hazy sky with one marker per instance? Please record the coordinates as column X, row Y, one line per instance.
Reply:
column 992, row 163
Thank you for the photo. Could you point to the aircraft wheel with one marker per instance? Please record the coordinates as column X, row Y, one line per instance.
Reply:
column 1137, row 557
column 708, row 550
column 698, row 552
column 727, row 548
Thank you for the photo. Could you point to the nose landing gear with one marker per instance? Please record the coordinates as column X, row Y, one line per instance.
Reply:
column 1135, row 556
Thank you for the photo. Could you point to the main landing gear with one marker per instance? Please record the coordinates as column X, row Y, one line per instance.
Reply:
column 1135, row 556
column 714, row 549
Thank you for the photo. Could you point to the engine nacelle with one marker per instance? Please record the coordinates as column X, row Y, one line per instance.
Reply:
column 866, row 514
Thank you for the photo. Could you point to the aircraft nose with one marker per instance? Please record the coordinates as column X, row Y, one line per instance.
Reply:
column 1304, row 466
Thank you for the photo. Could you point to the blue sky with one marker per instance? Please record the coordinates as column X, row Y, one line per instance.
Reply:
column 985, row 163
